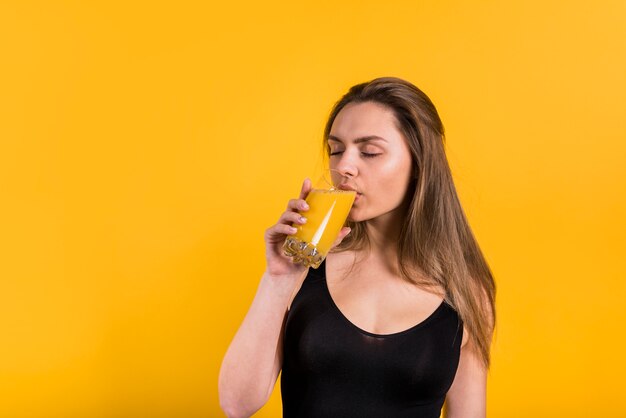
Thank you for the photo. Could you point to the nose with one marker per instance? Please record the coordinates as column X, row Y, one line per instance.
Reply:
column 347, row 166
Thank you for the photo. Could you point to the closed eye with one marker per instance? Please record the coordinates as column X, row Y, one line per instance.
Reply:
column 364, row 154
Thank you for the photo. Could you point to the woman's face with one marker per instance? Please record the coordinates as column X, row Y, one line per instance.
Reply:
column 366, row 146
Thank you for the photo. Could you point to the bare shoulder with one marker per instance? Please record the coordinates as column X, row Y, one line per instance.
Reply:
column 340, row 264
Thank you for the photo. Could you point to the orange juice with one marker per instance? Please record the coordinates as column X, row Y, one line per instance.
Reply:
column 328, row 211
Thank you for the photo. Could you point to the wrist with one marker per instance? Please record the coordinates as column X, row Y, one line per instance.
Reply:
column 282, row 285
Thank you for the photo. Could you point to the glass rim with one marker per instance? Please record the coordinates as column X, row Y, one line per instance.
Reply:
column 327, row 181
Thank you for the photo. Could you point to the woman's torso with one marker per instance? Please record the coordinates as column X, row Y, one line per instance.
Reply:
column 344, row 357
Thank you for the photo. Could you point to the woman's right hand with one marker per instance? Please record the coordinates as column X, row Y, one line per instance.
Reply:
column 278, row 264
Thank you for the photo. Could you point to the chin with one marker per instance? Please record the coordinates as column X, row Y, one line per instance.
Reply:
column 353, row 218
column 356, row 217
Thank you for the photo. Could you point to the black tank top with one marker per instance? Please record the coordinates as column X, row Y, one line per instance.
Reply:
column 332, row 368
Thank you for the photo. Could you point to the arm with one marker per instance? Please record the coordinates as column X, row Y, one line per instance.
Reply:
column 254, row 358
column 467, row 397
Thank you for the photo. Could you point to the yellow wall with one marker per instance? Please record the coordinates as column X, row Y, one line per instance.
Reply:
column 145, row 148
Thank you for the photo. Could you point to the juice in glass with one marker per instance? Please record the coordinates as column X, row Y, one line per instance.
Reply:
column 328, row 211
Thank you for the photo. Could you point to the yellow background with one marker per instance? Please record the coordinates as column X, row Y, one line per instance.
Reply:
column 145, row 148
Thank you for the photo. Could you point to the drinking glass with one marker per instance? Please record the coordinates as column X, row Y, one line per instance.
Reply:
column 330, row 201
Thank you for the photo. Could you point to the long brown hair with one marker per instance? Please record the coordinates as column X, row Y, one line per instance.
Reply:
column 436, row 246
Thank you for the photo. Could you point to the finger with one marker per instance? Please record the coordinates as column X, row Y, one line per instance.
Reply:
column 342, row 234
column 306, row 188
column 297, row 204
column 292, row 217
column 281, row 229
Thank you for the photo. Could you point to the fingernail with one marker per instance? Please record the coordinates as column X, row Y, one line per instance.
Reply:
column 304, row 206
column 302, row 219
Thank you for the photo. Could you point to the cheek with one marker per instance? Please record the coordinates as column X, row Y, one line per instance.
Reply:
column 393, row 182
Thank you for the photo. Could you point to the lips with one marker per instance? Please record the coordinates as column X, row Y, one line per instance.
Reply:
column 347, row 187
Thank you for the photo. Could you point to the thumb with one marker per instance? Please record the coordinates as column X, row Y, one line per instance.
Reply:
column 342, row 234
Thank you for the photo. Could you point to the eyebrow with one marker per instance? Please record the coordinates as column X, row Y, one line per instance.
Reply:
column 359, row 140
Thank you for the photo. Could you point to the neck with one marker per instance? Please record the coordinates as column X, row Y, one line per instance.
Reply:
column 384, row 233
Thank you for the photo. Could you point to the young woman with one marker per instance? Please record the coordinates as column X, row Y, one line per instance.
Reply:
column 400, row 316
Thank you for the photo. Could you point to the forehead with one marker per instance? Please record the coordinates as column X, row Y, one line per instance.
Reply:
column 361, row 120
